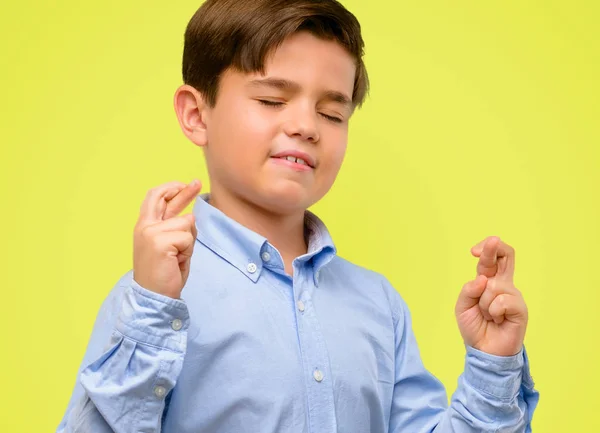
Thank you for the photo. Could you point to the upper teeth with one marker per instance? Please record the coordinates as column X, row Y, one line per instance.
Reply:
column 294, row 159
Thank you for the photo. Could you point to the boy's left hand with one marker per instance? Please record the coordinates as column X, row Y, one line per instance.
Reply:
column 491, row 312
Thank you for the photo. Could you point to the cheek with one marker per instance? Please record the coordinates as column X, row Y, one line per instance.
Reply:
column 335, row 154
column 331, row 165
column 252, row 122
column 243, row 132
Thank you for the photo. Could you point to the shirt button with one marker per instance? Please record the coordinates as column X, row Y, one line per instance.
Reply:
column 318, row 375
column 176, row 324
column 266, row 256
column 300, row 306
column 251, row 268
column 160, row 391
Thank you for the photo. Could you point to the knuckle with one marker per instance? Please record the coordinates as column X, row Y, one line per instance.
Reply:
column 497, row 287
column 148, row 233
column 501, row 300
column 156, row 242
column 492, row 285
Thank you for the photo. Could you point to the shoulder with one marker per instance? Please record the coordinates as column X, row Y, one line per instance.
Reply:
column 368, row 282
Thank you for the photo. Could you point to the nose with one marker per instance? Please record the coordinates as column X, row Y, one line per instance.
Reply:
column 302, row 124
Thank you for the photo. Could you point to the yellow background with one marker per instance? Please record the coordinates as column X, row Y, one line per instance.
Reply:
column 483, row 119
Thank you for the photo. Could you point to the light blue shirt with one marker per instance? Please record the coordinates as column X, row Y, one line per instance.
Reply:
column 248, row 348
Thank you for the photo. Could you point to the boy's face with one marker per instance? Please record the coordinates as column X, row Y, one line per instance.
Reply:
column 299, row 108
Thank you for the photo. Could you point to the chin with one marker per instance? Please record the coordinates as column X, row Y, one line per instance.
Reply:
column 287, row 200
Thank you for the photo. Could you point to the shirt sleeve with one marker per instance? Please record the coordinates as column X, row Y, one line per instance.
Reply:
column 494, row 394
column 131, row 364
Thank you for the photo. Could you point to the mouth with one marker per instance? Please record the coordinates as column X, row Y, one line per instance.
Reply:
column 297, row 164
column 295, row 158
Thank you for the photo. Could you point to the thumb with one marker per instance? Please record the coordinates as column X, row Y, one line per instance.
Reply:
column 470, row 294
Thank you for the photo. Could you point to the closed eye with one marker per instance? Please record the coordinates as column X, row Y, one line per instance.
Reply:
column 268, row 103
column 332, row 118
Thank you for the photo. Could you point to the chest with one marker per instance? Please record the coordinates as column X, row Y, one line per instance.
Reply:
column 285, row 348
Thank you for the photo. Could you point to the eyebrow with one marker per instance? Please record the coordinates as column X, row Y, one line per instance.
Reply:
column 283, row 84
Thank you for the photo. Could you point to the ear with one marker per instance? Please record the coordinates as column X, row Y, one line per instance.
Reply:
column 192, row 112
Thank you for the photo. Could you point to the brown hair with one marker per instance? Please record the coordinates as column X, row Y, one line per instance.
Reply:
column 240, row 34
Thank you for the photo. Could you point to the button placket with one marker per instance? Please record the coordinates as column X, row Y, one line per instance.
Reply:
column 315, row 357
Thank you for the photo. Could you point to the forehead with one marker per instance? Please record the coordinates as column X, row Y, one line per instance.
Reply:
column 304, row 57
column 322, row 68
column 313, row 64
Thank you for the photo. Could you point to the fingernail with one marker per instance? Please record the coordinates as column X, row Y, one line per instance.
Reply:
column 194, row 182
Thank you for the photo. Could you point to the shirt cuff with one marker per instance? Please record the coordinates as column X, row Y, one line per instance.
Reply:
column 498, row 376
column 154, row 319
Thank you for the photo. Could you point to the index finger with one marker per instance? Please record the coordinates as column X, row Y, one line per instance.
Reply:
column 488, row 260
column 184, row 197
column 149, row 210
column 504, row 254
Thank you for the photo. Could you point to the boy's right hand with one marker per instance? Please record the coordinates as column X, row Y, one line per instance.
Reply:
column 163, row 242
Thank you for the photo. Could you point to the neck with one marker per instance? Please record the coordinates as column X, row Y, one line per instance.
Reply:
column 284, row 232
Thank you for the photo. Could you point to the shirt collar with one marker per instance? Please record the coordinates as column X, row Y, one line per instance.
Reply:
column 243, row 247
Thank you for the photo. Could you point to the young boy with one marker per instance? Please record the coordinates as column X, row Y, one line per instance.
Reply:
column 241, row 317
